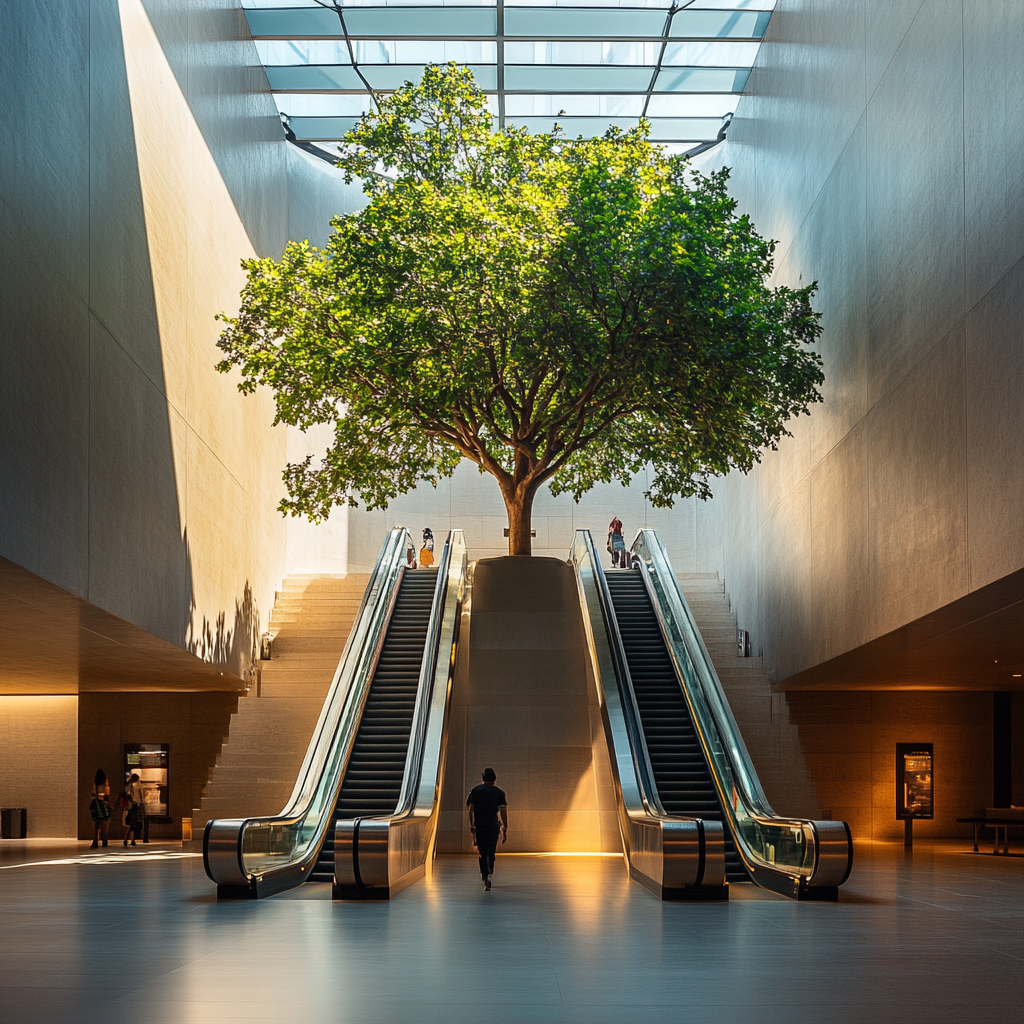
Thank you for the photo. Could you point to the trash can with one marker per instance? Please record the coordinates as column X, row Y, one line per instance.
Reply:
column 13, row 823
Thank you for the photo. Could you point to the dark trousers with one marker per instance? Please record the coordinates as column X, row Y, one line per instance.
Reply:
column 487, row 844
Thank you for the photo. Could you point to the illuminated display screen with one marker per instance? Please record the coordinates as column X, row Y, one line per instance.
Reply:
column 151, row 761
column 915, row 780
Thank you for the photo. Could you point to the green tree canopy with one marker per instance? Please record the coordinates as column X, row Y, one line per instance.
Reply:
column 558, row 311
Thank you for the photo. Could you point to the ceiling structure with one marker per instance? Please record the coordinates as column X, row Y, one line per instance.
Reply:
column 588, row 64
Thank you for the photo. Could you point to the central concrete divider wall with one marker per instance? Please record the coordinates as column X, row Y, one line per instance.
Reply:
column 522, row 704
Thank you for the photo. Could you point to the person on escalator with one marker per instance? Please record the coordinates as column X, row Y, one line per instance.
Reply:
column 617, row 544
column 488, row 818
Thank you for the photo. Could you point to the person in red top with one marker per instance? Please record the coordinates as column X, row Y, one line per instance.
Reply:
column 617, row 544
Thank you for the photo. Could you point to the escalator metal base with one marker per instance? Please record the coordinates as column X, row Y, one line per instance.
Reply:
column 236, row 892
column 688, row 894
column 821, row 894
column 363, row 893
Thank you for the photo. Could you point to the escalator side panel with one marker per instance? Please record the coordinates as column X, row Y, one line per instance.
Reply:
column 681, row 773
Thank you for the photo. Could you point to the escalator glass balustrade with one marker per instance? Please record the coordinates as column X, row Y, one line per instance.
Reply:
column 680, row 769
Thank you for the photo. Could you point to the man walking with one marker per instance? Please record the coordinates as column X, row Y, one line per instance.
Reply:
column 488, row 817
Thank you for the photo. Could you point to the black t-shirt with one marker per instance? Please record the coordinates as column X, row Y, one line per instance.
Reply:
column 485, row 801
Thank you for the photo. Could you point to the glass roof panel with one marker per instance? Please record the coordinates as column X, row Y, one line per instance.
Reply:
column 541, row 78
column 599, row 61
column 552, row 22
column 314, row 78
column 667, row 105
column 593, row 105
column 388, row 77
column 711, row 54
column 589, row 52
column 700, row 80
column 691, row 24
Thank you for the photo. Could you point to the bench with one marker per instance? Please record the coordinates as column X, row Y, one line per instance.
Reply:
column 997, row 818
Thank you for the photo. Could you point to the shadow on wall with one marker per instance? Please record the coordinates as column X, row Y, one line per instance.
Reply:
column 237, row 647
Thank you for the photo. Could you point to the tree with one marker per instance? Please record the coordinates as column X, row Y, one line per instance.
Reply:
column 558, row 311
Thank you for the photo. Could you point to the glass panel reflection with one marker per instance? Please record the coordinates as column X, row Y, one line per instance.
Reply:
column 304, row 105
column 575, row 106
column 321, row 128
column 553, row 22
column 593, row 52
column 690, row 105
column 699, row 53
column 701, row 80
column 387, row 77
column 693, row 24
column 537, row 78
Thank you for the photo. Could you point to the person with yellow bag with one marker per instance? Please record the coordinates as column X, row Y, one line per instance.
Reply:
column 427, row 551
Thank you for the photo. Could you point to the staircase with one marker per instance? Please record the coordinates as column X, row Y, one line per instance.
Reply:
column 763, row 717
column 269, row 734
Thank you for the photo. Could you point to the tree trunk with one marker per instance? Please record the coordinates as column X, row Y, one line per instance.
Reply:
column 519, row 505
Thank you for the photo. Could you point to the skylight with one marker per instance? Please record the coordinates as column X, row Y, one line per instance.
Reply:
column 587, row 63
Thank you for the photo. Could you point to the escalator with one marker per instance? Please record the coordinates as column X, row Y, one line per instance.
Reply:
column 376, row 767
column 681, row 771
column 686, row 758
column 363, row 813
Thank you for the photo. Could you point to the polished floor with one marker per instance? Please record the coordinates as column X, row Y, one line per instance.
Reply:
column 136, row 936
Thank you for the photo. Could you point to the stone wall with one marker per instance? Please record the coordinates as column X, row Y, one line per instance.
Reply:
column 881, row 145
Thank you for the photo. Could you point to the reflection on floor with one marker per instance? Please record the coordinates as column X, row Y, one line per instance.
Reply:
column 135, row 935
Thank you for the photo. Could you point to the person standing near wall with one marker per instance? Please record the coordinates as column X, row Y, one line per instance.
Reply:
column 99, row 808
column 135, row 818
column 488, row 818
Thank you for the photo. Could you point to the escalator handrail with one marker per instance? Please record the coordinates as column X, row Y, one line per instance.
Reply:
column 713, row 718
column 223, row 843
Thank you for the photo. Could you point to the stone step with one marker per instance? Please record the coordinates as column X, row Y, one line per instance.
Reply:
column 270, row 733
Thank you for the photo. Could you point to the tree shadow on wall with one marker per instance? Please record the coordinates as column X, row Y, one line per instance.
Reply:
column 233, row 646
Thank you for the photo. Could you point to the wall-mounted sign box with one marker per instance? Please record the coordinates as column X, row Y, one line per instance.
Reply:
column 915, row 781
column 152, row 763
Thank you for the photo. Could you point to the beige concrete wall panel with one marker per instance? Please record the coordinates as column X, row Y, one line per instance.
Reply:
column 121, row 290
column 139, row 567
column 44, row 166
column 787, row 589
column 807, row 42
column 886, row 26
column 738, row 498
column 208, row 48
column 917, row 491
column 915, row 196
column 995, row 425
column 39, row 762
column 993, row 129
column 840, row 583
column 317, row 192
column 44, row 420
column 831, row 248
